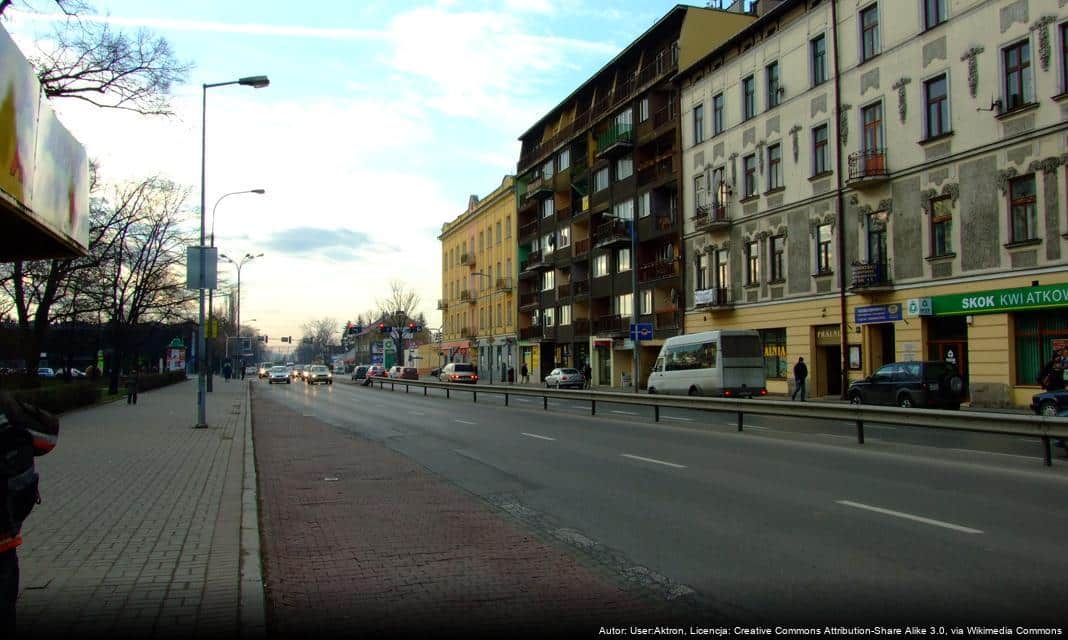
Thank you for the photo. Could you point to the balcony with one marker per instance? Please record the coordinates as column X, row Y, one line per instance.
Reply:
column 580, row 247
column 563, row 213
column 504, row 284
column 606, row 325
column 710, row 216
column 667, row 322
column 467, row 259
column 443, row 305
column 528, row 230
column 468, row 332
column 528, row 300
column 872, row 275
column 616, row 139
column 867, row 168
column 660, row 169
column 563, row 291
column 580, row 326
column 611, row 232
column 712, row 298
column 538, row 186
column 664, row 115
column 468, row 295
column 535, row 260
column 529, row 333
column 580, row 288
column 658, row 270
column 548, row 332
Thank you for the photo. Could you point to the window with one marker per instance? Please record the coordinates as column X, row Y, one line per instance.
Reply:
column 547, row 169
column 548, row 316
column 600, row 265
column 1018, row 89
column 941, row 211
column 625, row 305
column 700, row 195
column 775, row 363
column 723, row 274
column 622, row 260
column 818, row 52
column 624, row 168
column 717, row 114
column 547, row 208
column 548, row 243
column 481, row 241
column 1022, row 211
column 563, row 238
column 643, row 204
column 869, row 32
column 934, row 13
column 821, row 157
column 824, row 250
column 508, row 314
column 752, row 262
column 509, row 267
column 690, row 356
column 563, row 161
column 565, row 314
column 774, row 167
column 508, row 227
column 500, row 318
column 643, row 111
column 1064, row 58
column 748, row 98
column 936, row 96
column 777, row 247
column 600, row 180
column 872, row 115
column 698, row 124
column 548, row 280
column 701, row 280
column 624, row 210
column 771, row 74
column 481, row 318
column 647, row 302
column 497, row 234
column 877, row 253
column 1036, row 334
column 749, row 176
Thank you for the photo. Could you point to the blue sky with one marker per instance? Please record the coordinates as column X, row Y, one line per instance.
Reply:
column 380, row 121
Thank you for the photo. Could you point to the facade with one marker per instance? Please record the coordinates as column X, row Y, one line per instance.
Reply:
column 881, row 180
column 478, row 266
column 599, row 227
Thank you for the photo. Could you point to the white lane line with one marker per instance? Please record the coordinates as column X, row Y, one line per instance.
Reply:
column 995, row 453
column 463, row 421
column 667, row 464
column 627, row 413
column 749, row 426
column 417, row 413
column 874, row 426
column 832, row 435
column 534, row 435
column 674, row 418
column 909, row 516
column 522, row 400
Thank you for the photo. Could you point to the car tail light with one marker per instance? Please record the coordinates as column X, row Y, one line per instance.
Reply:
column 763, row 392
column 474, row 377
column 727, row 392
column 454, row 377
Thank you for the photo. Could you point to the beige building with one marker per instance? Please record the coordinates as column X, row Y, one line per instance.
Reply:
column 882, row 180
column 478, row 268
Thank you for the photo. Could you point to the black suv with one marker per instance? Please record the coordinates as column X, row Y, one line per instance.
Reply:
column 360, row 372
column 934, row 384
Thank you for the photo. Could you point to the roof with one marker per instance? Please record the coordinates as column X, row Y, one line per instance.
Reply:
column 748, row 31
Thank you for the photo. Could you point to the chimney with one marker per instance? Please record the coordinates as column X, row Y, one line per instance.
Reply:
column 472, row 202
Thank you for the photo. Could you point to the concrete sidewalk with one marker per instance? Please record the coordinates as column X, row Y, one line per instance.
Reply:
column 139, row 533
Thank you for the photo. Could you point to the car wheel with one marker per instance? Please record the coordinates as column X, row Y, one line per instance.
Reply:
column 904, row 400
column 692, row 391
column 956, row 385
column 1048, row 408
column 854, row 398
column 652, row 391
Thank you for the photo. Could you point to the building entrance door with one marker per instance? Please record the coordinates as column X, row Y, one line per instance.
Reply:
column 947, row 339
column 832, row 370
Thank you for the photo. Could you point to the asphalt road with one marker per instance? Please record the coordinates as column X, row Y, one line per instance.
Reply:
column 788, row 522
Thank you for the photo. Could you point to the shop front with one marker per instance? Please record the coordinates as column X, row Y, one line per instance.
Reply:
column 825, row 378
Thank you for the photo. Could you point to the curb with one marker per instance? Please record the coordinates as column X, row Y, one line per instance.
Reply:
column 252, row 602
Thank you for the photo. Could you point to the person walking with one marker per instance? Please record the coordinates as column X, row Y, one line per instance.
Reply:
column 524, row 374
column 133, row 380
column 242, row 365
column 800, row 378
column 587, row 374
column 227, row 370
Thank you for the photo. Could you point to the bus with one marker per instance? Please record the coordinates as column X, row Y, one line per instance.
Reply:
column 727, row 363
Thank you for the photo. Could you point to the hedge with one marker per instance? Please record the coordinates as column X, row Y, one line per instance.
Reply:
column 157, row 380
column 64, row 397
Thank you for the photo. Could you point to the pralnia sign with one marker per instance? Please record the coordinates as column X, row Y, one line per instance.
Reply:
column 1002, row 300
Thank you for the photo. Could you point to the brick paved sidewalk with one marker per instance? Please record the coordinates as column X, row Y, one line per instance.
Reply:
column 360, row 540
column 139, row 531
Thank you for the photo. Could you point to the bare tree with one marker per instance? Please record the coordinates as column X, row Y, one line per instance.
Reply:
column 400, row 304
column 321, row 335
column 87, row 60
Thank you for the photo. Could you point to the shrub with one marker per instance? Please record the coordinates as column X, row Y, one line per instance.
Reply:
column 60, row 398
column 156, row 380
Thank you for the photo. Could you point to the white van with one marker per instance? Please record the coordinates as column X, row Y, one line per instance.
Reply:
column 728, row 362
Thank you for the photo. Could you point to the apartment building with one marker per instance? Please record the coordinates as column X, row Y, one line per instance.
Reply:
column 599, row 240
column 478, row 267
column 883, row 180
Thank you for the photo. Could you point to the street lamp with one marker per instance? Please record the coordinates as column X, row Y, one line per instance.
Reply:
column 211, row 292
column 256, row 82
column 245, row 259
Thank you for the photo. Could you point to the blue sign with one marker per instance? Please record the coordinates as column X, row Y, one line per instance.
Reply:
column 877, row 313
column 376, row 358
column 641, row 331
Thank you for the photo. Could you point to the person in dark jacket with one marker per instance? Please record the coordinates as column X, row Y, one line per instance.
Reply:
column 800, row 379
column 1051, row 377
column 587, row 373
column 133, row 381
column 523, row 373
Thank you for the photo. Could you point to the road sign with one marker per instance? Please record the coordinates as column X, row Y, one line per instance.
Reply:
column 641, row 331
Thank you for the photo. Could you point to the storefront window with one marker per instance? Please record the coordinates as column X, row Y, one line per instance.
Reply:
column 775, row 364
column 1038, row 334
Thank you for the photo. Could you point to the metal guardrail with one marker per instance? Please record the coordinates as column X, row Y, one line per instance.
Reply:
column 1004, row 424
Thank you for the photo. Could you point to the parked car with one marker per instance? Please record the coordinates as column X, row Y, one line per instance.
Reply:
column 561, row 378
column 360, row 372
column 933, row 384
column 373, row 371
column 318, row 374
column 1050, row 403
column 395, row 371
column 409, row 373
column 458, row 372
column 45, row 372
column 278, row 374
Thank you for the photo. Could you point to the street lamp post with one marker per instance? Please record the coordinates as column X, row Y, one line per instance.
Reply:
column 211, row 292
column 256, row 82
column 248, row 257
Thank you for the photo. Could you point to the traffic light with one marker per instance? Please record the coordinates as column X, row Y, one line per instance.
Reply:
column 382, row 327
column 264, row 339
column 287, row 339
column 260, row 339
column 413, row 328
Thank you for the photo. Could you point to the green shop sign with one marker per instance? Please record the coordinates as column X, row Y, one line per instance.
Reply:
column 1001, row 300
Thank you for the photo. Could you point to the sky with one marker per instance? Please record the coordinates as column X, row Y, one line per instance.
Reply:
column 381, row 119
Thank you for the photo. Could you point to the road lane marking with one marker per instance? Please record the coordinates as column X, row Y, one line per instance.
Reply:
column 909, row 516
column 668, row 464
column 627, row 413
column 834, row 435
column 994, row 453
column 417, row 413
column 674, row 418
column 464, row 421
column 534, row 435
column 749, row 426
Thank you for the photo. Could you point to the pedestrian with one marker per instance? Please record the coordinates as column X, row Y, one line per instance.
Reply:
column 1051, row 376
column 25, row 433
column 800, row 378
column 242, row 365
column 227, row 370
column 587, row 374
column 524, row 374
column 133, row 381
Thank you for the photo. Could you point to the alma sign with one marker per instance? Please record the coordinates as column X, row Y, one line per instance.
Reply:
column 1000, row 301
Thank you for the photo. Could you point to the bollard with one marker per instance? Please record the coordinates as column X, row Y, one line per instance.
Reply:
column 506, row 399
column 405, row 387
column 860, row 432
column 447, row 393
column 474, row 395
column 1047, row 454
column 739, row 421
column 545, row 402
column 593, row 407
column 424, row 391
column 656, row 413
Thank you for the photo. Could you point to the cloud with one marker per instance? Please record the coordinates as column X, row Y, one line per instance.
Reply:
column 338, row 244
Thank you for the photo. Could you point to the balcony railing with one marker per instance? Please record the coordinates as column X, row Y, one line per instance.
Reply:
column 527, row 300
column 528, row 229
column 868, row 168
column 580, row 326
column 580, row 247
column 611, row 324
column 710, row 216
column 533, row 258
column 504, row 284
column 717, row 297
column 538, row 185
column 527, row 333
column 468, row 332
column 580, row 288
column 660, row 169
column 667, row 320
column 658, row 270
column 467, row 259
column 665, row 115
column 443, row 305
column 467, row 295
column 611, row 231
column 616, row 138
column 563, row 291
column 563, row 213
column 871, row 274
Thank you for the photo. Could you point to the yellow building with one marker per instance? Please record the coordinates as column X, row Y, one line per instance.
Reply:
column 478, row 268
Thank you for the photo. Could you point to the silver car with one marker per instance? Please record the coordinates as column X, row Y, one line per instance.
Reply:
column 561, row 378
column 318, row 374
column 458, row 372
column 278, row 374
